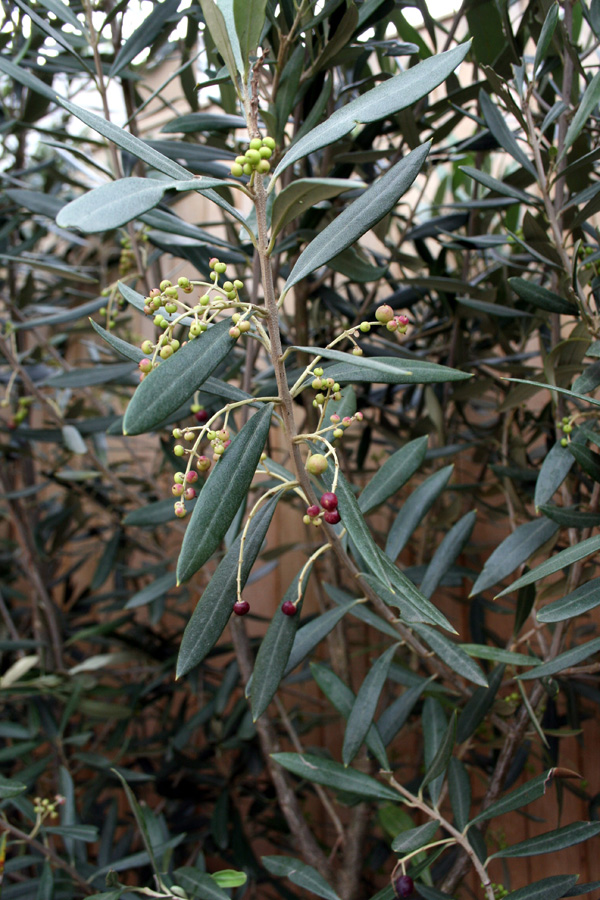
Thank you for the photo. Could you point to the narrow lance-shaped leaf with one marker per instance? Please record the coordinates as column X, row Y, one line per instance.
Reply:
column 496, row 122
column 560, row 561
column 334, row 775
column 551, row 841
column 176, row 379
column 413, row 608
column 446, row 553
column 392, row 719
column 521, row 796
column 590, row 99
column 403, row 586
column 414, row 838
column 387, row 370
column 459, row 790
column 365, row 705
column 393, row 474
column 513, row 551
column 414, row 509
column 215, row 606
column 439, row 764
column 301, row 874
column 144, row 35
column 499, row 187
column 387, row 98
column 452, row 654
column 477, row 706
column 564, row 661
column 546, row 34
column 224, row 490
column 581, row 600
column 301, row 194
column 373, row 366
column 435, row 727
column 343, row 698
column 360, row 216
column 541, row 297
column 217, row 27
column 118, row 202
column 249, row 17
column 274, row 652
column 312, row 633
column 118, row 344
column 551, row 888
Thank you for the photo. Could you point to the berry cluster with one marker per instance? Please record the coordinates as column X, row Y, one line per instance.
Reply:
column 331, row 388
column 183, row 490
column 329, row 512
column 385, row 316
column 566, row 426
column 219, row 441
column 216, row 298
column 255, row 159
column 47, row 808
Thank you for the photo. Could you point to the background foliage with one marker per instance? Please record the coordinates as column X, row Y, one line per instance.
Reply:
column 483, row 491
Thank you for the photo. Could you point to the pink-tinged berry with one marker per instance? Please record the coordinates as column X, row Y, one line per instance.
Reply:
column 384, row 314
column 332, row 518
column 234, row 332
column 191, row 477
column 201, row 416
column 288, row 608
column 392, row 326
column 189, row 493
column 145, row 365
column 346, row 421
column 313, row 510
column 203, row 464
column 359, row 416
column 316, row 464
column 241, row 607
column 177, row 490
column 180, row 511
column 329, row 501
column 154, row 293
column 212, row 262
column 334, row 418
column 404, row 886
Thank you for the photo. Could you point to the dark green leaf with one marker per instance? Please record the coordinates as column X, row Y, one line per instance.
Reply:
column 216, row 603
column 412, row 606
column 68, row 315
column 334, row 775
column 387, row 98
column 497, row 654
column 36, row 201
column 499, row 187
column 548, row 888
column 144, row 35
column 563, row 661
column 414, row 510
column 176, row 379
column 459, row 790
column 118, row 344
column 303, row 193
column 79, row 378
column 360, row 216
column 151, row 514
column 551, row 841
column 274, row 652
column 554, row 470
column 408, row 593
column 588, row 102
column 514, row 551
column 587, row 459
column 476, row 708
column 395, row 716
column 545, row 39
column 496, row 122
column 10, row 788
column 521, row 796
column 393, row 474
column 249, row 17
column 223, row 492
column 220, row 33
column 365, row 705
column 541, row 297
column 312, row 633
column 154, row 590
column 560, row 561
column 581, row 600
column 73, row 440
column 408, row 841
column 570, row 516
column 447, row 552
column 452, row 654
column 201, row 885
column 87, row 833
column 343, row 698
column 438, row 765
column 299, row 873
column 435, row 728
column 387, row 370
column 196, row 123
column 112, row 205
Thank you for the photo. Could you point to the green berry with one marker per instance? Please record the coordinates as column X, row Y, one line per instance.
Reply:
column 364, row 327
column 165, row 284
column 568, row 428
column 255, row 144
column 241, row 160
column 316, row 464
column 266, row 152
column 147, row 347
column 166, row 352
column 318, row 372
column 236, row 170
column 263, row 167
column 269, row 142
column 204, row 300
column 244, row 327
column 253, row 156
column 178, row 450
column 227, row 286
column 221, row 268
column 384, row 314
column 247, row 169
column 238, row 285
column 357, row 352
column 338, row 433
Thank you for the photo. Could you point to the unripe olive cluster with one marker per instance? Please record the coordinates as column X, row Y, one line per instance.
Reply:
column 21, row 412
column 255, row 159
column 566, row 426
